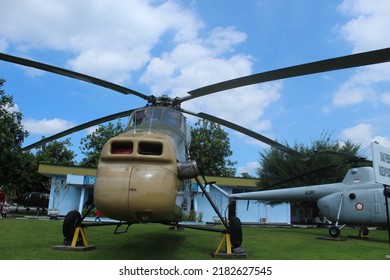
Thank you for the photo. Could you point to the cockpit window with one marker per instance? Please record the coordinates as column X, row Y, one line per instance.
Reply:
column 171, row 118
column 139, row 116
column 145, row 116
column 159, row 118
column 153, row 114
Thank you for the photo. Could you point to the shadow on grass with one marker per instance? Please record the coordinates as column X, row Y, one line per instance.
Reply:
column 150, row 245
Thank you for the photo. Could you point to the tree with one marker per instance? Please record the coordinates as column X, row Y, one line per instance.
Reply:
column 93, row 143
column 247, row 175
column 56, row 152
column 277, row 166
column 210, row 147
column 29, row 179
column 12, row 136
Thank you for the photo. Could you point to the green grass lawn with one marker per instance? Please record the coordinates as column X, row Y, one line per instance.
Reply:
column 33, row 239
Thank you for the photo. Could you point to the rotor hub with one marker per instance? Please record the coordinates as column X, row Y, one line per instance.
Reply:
column 165, row 101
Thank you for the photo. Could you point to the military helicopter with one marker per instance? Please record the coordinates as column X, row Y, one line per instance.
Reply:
column 358, row 201
column 144, row 175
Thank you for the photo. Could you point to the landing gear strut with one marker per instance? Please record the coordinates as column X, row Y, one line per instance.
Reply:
column 231, row 236
column 334, row 231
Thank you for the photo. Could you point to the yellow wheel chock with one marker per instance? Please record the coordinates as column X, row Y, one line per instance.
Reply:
column 228, row 244
column 79, row 235
column 229, row 251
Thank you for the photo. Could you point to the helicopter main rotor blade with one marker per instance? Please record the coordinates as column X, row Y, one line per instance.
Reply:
column 72, row 74
column 273, row 186
column 350, row 157
column 249, row 133
column 78, row 128
column 338, row 63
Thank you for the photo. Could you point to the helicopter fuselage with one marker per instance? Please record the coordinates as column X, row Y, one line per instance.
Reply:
column 139, row 177
column 357, row 200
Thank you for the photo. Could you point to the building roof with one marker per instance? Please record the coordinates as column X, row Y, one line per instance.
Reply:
column 50, row 170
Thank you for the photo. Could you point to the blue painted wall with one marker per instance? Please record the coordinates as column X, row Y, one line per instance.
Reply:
column 254, row 213
column 67, row 194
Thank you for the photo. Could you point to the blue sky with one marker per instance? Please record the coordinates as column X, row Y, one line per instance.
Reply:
column 171, row 47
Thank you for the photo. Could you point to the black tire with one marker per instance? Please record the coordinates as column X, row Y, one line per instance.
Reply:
column 334, row 231
column 365, row 231
column 70, row 222
column 235, row 229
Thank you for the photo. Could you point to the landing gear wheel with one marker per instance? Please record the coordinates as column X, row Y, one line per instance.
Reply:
column 235, row 232
column 70, row 222
column 334, row 231
column 365, row 231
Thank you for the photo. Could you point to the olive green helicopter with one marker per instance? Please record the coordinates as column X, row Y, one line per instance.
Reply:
column 145, row 174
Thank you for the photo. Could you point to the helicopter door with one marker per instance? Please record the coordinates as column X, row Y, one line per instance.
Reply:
column 375, row 201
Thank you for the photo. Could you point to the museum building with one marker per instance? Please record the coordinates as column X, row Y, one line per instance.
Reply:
column 72, row 189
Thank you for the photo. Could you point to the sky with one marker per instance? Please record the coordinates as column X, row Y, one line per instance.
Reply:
column 171, row 47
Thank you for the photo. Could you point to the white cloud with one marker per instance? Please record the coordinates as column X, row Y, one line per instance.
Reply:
column 193, row 64
column 363, row 86
column 367, row 30
column 223, row 39
column 163, row 42
column 369, row 27
column 103, row 39
column 250, row 168
column 92, row 129
column 351, row 93
column 45, row 126
column 3, row 44
column 364, row 134
column 14, row 108
column 386, row 98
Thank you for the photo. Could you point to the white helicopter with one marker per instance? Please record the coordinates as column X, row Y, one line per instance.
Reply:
column 358, row 201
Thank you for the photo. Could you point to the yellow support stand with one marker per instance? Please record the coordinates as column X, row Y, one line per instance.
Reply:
column 79, row 235
column 79, row 242
column 229, row 253
column 228, row 244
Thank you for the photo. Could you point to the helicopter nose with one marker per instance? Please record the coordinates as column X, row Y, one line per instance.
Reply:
column 152, row 193
column 329, row 205
column 136, row 193
column 137, row 178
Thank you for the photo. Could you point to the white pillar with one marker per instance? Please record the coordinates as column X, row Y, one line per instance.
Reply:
column 82, row 196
